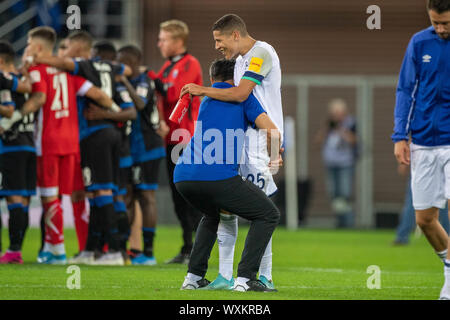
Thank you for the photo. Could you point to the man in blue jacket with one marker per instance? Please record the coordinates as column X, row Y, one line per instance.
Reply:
column 207, row 176
column 422, row 113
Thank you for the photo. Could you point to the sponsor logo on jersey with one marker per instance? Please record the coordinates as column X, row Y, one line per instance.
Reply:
column 255, row 64
column 426, row 58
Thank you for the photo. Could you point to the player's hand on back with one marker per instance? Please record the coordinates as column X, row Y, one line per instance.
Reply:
column 95, row 112
column 402, row 152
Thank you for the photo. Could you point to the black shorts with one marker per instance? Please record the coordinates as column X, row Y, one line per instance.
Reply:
column 100, row 154
column 18, row 174
column 145, row 175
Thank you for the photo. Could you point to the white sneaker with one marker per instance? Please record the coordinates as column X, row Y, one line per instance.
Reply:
column 240, row 286
column 84, row 257
column 189, row 284
column 110, row 259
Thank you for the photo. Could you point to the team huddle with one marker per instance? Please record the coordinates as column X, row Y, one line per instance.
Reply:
column 74, row 130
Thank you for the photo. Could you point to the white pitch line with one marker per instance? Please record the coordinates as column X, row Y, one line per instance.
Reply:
column 363, row 271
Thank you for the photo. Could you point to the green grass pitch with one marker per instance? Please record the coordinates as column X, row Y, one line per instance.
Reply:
column 307, row 264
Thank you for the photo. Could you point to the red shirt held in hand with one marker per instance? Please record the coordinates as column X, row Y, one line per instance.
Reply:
column 174, row 74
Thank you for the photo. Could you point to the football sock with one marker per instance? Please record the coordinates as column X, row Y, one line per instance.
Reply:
column 226, row 240
column 94, row 227
column 442, row 255
column 148, row 234
column 16, row 225
column 445, row 292
column 42, row 225
column 105, row 206
column 265, row 268
column 53, row 222
column 122, row 224
column 81, row 221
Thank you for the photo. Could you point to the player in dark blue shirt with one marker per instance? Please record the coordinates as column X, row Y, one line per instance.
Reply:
column 18, row 156
column 147, row 149
column 207, row 176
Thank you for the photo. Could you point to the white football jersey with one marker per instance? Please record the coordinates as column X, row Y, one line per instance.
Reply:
column 262, row 66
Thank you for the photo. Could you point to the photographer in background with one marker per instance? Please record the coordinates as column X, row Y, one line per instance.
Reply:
column 339, row 154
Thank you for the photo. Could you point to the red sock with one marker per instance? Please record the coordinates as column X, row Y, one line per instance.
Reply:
column 54, row 222
column 81, row 220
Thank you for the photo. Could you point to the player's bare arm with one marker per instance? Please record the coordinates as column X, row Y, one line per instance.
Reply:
column 6, row 111
column 100, row 97
column 238, row 94
column 163, row 129
column 66, row 63
column 402, row 152
column 33, row 104
column 96, row 113
column 138, row 102
column 273, row 136
column 24, row 86
column 127, row 71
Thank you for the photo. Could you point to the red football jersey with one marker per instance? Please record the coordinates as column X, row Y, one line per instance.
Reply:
column 57, row 125
column 175, row 74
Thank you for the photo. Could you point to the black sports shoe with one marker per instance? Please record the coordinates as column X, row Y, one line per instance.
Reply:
column 194, row 285
column 252, row 285
column 181, row 258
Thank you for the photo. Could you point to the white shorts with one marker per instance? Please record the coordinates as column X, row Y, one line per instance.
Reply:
column 430, row 176
column 255, row 160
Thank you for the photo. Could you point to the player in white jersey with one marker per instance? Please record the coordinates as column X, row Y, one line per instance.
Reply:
column 257, row 70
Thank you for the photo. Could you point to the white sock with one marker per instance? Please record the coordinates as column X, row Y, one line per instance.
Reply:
column 265, row 268
column 226, row 240
column 58, row 249
column 242, row 281
column 445, row 292
column 193, row 277
column 442, row 255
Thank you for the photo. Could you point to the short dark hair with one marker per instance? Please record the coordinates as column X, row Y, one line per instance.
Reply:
column 132, row 50
column 230, row 22
column 45, row 33
column 105, row 50
column 7, row 51
column 82, row 36
column 440, row 6
column 222, row 70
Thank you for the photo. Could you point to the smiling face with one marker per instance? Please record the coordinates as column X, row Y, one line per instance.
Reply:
column 227, row 44
column 441, row 23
